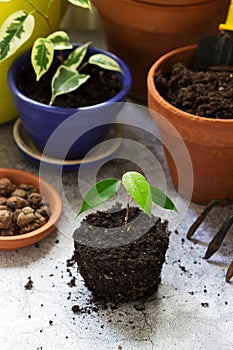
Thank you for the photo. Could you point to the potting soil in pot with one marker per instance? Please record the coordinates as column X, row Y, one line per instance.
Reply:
column 100, row 87
column 116, row 271
column 204, row 93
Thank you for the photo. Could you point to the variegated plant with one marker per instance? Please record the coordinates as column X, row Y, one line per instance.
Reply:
column 67, row 77
column 19, row 26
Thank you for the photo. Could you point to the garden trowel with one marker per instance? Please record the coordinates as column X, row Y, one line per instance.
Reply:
column 216, row 49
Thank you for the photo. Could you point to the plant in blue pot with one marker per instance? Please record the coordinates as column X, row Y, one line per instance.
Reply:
column 23, row 11
column 66, row 94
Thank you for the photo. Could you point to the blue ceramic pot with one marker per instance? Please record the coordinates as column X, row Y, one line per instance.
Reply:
column 67, row 132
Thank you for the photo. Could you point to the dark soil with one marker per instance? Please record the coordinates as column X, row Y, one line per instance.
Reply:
column 123, row 264
column 29, row 284
column 100, row 87
column 204, row 93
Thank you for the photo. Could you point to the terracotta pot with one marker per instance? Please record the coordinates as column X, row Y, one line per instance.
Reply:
column 49, row 193
column 141, row 31
column 208, row 141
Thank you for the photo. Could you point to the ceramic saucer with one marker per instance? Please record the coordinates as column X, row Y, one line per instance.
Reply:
column 102, row 151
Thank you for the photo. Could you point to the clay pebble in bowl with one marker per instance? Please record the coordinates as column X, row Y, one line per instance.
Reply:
column 51, row 196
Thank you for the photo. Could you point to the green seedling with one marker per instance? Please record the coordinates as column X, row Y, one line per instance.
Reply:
column 136, row 186
column 18, row 28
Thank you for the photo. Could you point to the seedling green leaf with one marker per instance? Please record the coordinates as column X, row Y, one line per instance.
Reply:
column 66, row 80
column 159, row 198
column 99, row 193
column 60, row 40
column 75, row 57
column 138, row 187
column 105, row 62
column 15, row 31
column 42, row 56
column 81, row 3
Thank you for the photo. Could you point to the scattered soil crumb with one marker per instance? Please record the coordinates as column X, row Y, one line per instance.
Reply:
column 72, row 282
column 70, row 262
column 183, row 268
column 139, row 307
column 76, row 309
column 205, row 304
column 29, row 284
column 84, row 309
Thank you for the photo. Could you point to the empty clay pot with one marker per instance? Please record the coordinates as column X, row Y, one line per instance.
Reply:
column 208, row 141
column 141, row 31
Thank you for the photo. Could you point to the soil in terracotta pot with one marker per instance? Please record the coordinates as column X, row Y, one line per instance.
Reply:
column 124, row 264
column 100, row 87
column 203, row 93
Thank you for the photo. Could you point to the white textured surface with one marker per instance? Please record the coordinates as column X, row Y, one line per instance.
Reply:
column 193, row 308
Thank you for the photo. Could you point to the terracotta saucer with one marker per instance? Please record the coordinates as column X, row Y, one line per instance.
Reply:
column 49, row 193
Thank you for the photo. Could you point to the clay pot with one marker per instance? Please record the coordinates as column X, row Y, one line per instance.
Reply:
column 49, row 193
column 141, row 31
column 208, row 141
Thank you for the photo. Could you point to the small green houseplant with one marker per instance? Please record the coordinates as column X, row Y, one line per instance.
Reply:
column 55, row 62
column 18, row 28
column 136, row 186
column 41, row 29
column 120, row 254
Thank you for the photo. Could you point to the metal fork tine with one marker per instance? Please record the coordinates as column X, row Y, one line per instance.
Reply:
column 202, row 216
column 218, row 238
column 229, row 272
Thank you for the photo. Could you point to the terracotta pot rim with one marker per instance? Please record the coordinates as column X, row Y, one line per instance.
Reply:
column 51, row 194
column 154, row 92
column 170, row 3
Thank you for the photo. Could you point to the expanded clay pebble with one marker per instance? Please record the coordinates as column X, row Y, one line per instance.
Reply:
column 21, row 208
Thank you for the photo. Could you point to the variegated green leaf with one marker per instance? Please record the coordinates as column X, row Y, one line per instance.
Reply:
column 60, row 40
column 81, row 3
column 14, row 32
column 105, row 62
column 75, row 57
column 42, row 56
column 66, row 80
